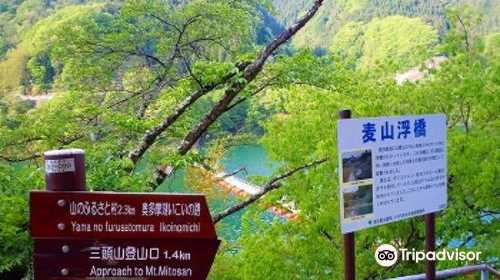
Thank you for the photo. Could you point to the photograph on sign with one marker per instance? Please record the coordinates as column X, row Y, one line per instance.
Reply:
column 391, row 168
column 357, row 166
column 358, row 202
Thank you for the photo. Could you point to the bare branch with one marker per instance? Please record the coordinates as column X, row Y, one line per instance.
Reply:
column 328, row 236
column 165, row 22
column 243, row 169
column 62, row 143
column 19, row 159
column 271, row 185
column 190, row 71
column 255, row 68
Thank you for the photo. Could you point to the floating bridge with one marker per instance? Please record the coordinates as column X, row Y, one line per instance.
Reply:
column 240, row 187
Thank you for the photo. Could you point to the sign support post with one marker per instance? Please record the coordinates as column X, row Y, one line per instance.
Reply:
column 65, row 170
column 349, row 241
column 430, row 245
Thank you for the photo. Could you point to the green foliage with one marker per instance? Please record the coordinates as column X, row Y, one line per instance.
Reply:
column 492, row 45
column 12, row 69
column 397, row 40
column 465, row 89
column 15, row 242
column 393, row 43
column 111, row 57
column 41, row 71
column 4, row 45
column 33, row 23
column 348, row 43
column 320, row 32
column 30, row 63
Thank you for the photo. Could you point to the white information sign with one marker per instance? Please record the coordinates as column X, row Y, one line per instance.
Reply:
column 60, row 165
column 391, row 168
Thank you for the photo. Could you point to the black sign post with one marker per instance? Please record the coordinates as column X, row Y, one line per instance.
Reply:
column 430, row 245
column 349, row 241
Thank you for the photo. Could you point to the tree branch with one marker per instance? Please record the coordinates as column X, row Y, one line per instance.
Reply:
column 150, row 136
column 242, row 169
column 257, row 91
column 255, row 68
column 271, row 185
column 231, row 92
column 13, row 160
column 249, row 75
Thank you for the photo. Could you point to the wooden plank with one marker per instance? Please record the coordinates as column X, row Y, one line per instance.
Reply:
column 119, row 215
column 123, row 259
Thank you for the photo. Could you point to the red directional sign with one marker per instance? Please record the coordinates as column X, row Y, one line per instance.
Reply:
column 104, row 235
column 123, row 259
column 119, row 215
column 81, row 235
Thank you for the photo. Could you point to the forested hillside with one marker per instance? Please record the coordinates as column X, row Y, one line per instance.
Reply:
column 159, row 92
column 24, row 60
column 26, row 27
column 335, row 14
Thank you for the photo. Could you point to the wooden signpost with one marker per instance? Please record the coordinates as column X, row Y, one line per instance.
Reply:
column 107, row 235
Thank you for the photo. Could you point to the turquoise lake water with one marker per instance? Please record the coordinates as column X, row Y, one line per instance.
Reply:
column 256, row 162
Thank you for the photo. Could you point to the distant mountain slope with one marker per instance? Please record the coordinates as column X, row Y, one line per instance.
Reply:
column 393, row 42
column 17, row 17
column 19, row 60
column 336, row 13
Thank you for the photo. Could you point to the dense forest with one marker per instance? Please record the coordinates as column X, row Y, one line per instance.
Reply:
column 26, row 28
column 142, row 85
column 335, row 14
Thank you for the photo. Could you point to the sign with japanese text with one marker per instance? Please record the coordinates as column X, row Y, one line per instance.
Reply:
column 391, row 168
column 123, row 258
column 108, row 235
column 119, row 215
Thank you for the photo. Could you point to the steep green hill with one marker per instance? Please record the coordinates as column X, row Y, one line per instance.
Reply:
column 336, row 13
column 350, row 28
column 395, row 41
column 17, row 17
column 28, row 61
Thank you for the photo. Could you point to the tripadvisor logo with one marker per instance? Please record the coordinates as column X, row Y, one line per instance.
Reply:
column 387, row 255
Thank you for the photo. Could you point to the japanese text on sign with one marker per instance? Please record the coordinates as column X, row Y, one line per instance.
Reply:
column 132, row 253
column 403, row 130
column 391, row 168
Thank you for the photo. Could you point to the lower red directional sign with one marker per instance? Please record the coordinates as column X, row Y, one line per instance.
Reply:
column 123, row 259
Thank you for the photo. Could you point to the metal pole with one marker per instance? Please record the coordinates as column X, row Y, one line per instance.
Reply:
column 453, row 272
column 430, row 245
column 349, row 241
column 484, row 274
